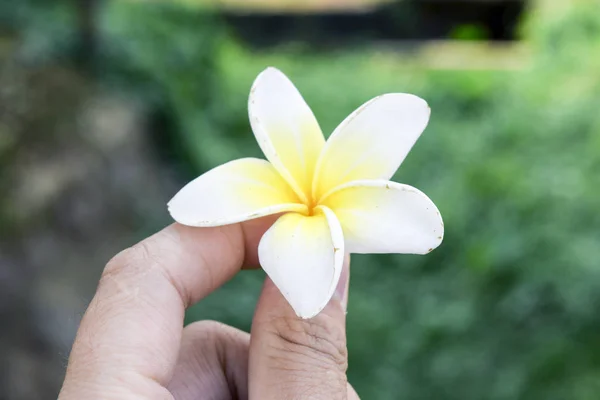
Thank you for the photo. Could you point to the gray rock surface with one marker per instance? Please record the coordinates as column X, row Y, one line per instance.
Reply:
column 79, row 181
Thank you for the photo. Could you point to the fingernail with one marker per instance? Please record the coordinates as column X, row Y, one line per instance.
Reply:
column 341, row 291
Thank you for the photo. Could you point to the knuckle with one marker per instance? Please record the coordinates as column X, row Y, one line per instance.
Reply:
column 212, row 331
column 201, row 338
column 125, row 263
column 321, row 340
column 211, row 340
column 128, row 269
column 141, row 263
column 207, row 329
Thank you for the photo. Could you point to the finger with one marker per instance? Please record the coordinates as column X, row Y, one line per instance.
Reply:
column 352, row 395
column 212, row 364
column 130, row 335
column 294, row 358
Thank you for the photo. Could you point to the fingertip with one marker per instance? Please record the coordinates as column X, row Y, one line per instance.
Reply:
column 352, row 395
column 291, row 356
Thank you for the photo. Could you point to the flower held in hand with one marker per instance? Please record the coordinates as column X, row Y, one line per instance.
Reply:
column 336, row 194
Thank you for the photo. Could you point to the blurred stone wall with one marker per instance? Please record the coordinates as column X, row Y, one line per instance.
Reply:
column 79, row 181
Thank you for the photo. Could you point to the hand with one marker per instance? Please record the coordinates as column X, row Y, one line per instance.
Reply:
column 132, row 344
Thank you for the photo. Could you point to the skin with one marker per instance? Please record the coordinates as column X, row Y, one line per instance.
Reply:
column 132, row 343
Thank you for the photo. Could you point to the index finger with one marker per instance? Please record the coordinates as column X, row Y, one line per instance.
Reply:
column 130, row 335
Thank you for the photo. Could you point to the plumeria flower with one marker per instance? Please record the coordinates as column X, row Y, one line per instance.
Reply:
column 335, row 195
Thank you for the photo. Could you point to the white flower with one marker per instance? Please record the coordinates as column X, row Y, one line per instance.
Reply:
column 336, row 195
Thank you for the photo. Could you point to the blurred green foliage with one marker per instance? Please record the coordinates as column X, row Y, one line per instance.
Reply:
column 469, row 32
column 507, row 307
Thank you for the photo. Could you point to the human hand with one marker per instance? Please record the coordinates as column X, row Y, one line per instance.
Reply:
column 132, row 344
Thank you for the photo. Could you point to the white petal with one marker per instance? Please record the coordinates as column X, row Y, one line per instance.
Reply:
column 303, row 256
column 386, row 217
column 372, row 142
column 285, row 128
column 236, row 191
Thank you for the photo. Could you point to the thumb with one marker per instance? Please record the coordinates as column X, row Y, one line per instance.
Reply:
column 294, row 358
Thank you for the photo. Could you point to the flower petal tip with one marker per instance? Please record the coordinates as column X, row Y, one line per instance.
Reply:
column 269, row 71
column 308, row 315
